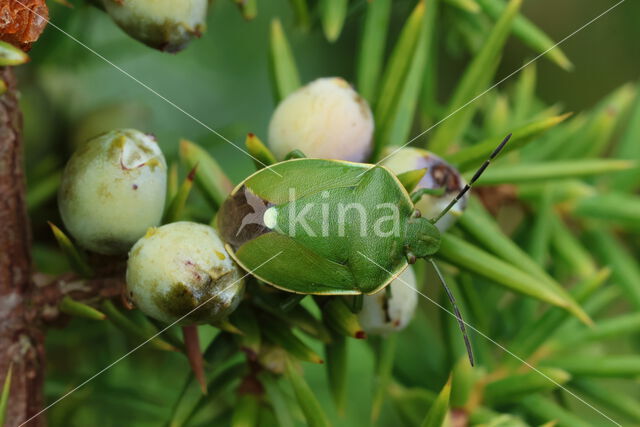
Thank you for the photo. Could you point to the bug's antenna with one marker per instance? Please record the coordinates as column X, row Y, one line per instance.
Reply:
column 467, row 343
column 476, row 175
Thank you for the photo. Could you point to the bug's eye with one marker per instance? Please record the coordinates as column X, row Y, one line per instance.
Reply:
column 411, row 258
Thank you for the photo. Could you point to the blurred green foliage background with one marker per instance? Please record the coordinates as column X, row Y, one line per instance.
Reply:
column 222, row 79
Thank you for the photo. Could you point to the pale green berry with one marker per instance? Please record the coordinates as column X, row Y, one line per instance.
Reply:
column 167, row 25
column 113, row 189
column 439, row 175
column 182, row 272
column 324, row 119
column 381, row 315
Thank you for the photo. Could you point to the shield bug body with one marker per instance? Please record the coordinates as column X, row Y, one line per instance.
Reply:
column 343, row 228
column 337, row 227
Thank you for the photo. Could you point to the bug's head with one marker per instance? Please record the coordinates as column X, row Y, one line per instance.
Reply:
column 422, row 238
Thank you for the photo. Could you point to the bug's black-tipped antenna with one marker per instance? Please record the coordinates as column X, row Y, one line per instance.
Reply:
column 476, row 175
column 467, row 343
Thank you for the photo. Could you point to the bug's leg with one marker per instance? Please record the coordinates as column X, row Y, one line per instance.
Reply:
column 417, row 195
column 291, row 301
column 461, row 322
column 475, row 177
column 411, row 258
column 356, row 303
column 388, row 292
column 295, row 154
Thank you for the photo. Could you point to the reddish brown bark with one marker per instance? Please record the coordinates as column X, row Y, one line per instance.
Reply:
column 26, row 305
column 21, row 341
column 49, row 292
column 22, row 22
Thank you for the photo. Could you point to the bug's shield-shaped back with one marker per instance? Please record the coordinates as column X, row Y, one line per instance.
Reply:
column 297, row 268
column 380, row 250
column 340, row 227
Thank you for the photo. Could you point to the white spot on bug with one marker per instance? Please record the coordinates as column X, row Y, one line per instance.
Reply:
column 270, row 218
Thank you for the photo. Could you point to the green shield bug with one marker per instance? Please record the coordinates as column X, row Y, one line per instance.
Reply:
column 341, row 228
